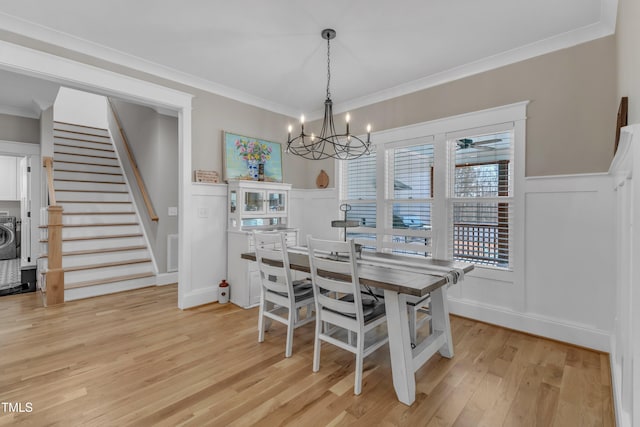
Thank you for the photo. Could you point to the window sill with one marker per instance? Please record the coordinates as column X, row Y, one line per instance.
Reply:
column 492, row 273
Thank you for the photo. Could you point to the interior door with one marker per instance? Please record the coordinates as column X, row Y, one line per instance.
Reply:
column 25, row 209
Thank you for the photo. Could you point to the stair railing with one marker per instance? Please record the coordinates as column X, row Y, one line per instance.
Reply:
column 134, row 166
column 54, row 276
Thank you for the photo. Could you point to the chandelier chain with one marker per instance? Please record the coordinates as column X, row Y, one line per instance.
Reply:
column 328, row 67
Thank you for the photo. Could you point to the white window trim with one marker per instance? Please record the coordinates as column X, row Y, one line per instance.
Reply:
column 442, row 130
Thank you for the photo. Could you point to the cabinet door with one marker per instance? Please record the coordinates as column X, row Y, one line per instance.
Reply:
column 253, row 202
column 277, row 201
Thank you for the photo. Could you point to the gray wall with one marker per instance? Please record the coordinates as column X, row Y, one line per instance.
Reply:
column 628, row 35
column 12, row 207
column 571, row 116
column 153, row 138
column 19, row 129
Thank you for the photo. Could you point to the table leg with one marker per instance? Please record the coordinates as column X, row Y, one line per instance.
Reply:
column 440, row 320
column 404, row 381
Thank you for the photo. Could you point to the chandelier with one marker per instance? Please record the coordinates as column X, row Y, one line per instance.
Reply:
column 329, row 144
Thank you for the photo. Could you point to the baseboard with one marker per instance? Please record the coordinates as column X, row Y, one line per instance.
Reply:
column 199, row 297
column 164, row 279
column 537, row 325
column 623, row 419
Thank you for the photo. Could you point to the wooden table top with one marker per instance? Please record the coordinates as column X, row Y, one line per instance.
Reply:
column 388, row 271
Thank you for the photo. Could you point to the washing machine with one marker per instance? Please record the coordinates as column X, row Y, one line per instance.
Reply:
column 8, row 238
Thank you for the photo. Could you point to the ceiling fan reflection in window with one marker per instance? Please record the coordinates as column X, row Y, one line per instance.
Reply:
column 467, row 143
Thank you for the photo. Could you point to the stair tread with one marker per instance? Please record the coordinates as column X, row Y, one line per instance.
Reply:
column 84, row 148
column 96, row 173
column 80, row 133
column 97, row 224
column 109, row 280
column 83, row 163
column 80, row 139
column 66, row 153
column 88, row 201
column 89, row 182
column 81, row 126
column 71, row 190
column 101, row 251
column 106, row 264
column 99, row 213
column 109, row 236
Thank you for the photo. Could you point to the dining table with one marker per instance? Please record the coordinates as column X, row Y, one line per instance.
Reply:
column 403, row 278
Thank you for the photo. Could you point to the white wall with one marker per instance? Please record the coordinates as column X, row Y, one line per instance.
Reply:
column 566, row 292
column 569, row 266
column 208, row 263
column 311, row 212
column 82, row 108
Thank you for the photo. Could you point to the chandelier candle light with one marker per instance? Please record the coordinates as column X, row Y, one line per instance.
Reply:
column 329, row 144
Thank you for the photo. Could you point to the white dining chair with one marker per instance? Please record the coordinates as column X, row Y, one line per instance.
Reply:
column 281, row 298
column 341, row 309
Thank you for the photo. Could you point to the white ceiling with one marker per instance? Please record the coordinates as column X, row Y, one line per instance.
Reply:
column 270, row 53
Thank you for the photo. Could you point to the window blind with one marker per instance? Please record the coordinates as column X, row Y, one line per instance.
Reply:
column 361, row 193
column 481, row 199
column 408, row 213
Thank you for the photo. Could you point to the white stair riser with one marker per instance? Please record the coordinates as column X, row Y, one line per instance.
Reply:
column 108, row 288
column 83, row 245
column 58, row 156
column 96, row 207
column 85, row 168
column 87, row 151
column 81, row 176
column 103, row 257
column 96, row 186
column 71, row 277
column 91, row 197
column 84, row 144
column 99, row 219
column 70, row 232
column 61, row 127
column 83, row 136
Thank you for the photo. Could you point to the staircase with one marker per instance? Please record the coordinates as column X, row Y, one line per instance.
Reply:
column 104, row 249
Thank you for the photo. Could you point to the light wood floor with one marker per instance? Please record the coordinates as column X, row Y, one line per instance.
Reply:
column 135, row 359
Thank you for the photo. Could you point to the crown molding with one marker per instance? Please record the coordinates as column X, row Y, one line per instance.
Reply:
column 96, row 50
column 20, row 112
column 561, row 41
column 605, row 27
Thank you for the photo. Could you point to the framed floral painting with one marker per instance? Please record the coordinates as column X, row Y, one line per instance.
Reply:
column 251, row 158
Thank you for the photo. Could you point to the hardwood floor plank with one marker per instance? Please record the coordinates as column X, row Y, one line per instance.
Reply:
column 134, row 359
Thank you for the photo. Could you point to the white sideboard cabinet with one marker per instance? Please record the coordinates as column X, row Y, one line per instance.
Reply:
column 253, row 205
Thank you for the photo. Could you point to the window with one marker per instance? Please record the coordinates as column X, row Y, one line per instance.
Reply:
column 409, row 198
column 481, row 199
column 441, row 189
column 361, row 194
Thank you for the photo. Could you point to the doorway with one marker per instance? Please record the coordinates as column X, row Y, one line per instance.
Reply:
column 17, row 262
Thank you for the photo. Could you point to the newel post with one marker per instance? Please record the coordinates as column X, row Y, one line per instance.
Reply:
column 55, row 273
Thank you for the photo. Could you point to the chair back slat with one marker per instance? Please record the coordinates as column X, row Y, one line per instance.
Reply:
column 270, row 250
column 335, row 281
column 334, row 304
column 333, row 285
